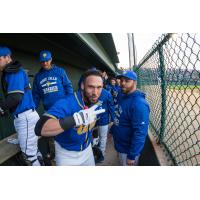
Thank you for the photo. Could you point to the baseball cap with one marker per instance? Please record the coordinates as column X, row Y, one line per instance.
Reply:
column 128, row 74
column 45, row 56
column 5, row 51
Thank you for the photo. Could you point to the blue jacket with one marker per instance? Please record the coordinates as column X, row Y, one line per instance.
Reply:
column 76, row 138
column 107, row 103
column 131, row 128
column 19, row 83
column 114, row 90
column 50, row 86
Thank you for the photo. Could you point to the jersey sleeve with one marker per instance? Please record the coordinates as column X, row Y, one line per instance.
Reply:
column 139, row 123
column 67, row 83
column 58, row 110
column 15, row 82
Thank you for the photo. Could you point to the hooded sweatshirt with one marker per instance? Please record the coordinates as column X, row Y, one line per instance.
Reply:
column 15, row 81
column 131, row 128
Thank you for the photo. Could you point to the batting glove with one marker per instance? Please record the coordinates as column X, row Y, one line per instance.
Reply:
column 87, row 116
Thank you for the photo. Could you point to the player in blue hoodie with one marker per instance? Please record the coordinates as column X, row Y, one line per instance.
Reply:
column 130, row 130
column 19, row 101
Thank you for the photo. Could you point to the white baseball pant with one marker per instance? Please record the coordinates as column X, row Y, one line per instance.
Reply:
column 74, row 158
column 24, row 125
column 103, row 134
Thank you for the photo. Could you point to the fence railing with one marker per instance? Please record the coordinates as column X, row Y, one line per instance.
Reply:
column 169, row 74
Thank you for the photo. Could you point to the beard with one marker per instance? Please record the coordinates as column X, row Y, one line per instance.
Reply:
column 124, row 90
column 89, row 99
column 127, row 90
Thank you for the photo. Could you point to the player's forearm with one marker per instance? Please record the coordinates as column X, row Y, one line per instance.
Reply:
column 47, row 126
column 137, row 144
column 51, row 128
column 54, row 127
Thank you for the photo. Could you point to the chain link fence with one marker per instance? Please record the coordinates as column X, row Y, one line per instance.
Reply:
column 169, row 74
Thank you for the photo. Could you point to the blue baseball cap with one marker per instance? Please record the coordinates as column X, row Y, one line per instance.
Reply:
column 45, row 56
column 5, row 51
column 128, row 74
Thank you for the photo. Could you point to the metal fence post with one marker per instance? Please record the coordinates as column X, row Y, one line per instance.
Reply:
column 163, row 94
column 137, row 71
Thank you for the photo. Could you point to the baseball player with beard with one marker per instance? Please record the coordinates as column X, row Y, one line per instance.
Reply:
column 72, row 125
column 19, row 101
column 100, row 137
column 131, row 127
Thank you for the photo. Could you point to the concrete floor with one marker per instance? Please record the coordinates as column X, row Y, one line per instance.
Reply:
column 111, row 155
column 147, row 158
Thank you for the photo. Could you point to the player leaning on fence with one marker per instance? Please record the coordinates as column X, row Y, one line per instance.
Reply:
column 130, row 129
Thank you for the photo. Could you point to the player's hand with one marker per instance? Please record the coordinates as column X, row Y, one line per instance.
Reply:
column 2, row 112
column 87, row 116
column 3, row 109
column 110, row 125
column 130, row 162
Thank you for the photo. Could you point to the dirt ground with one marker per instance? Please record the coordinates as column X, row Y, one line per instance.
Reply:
column 182, row 132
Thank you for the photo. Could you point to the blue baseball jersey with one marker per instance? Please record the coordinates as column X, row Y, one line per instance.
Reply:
column 76, row 138
column 19, row 83
column 108, row 87
column 118, row 88
column 114, row 90
column 50, row 86
column 131, row 127
column 106, row 100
